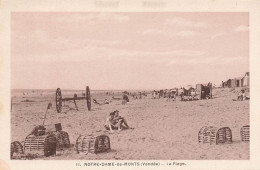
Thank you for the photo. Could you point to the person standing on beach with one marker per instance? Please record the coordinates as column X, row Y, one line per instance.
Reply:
column 140, row 95
column 181, row 93
column 154, row 94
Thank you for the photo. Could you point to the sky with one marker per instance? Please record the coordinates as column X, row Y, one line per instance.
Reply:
column 151, row 50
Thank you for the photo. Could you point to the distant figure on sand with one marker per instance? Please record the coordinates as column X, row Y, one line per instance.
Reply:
column 134, row 96
column 154, row 94
column 106, row 101
column 125, row 99
column 115, row 122
column 242, row 95
column 95, row 101
column 181, row 93
column 140, row 95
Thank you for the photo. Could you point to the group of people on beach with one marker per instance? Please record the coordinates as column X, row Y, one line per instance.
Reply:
column 167, row 93
column 171, row 94
column 116, row 122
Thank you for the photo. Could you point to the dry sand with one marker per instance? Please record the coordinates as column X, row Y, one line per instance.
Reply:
column 162, row 130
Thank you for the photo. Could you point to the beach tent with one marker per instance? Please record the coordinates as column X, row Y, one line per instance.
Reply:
column 204, row 90
column 233, row 83
column 238, row 81
column 245, row 80
column 229, row 83
column 225, row 84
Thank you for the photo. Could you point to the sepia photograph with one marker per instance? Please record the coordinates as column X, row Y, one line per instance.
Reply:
column 129, row 86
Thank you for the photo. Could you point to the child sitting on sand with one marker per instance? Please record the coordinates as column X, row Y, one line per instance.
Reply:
column 242, row 95
column 114, row 121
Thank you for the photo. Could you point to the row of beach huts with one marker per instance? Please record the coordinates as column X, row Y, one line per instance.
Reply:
column 237, row 82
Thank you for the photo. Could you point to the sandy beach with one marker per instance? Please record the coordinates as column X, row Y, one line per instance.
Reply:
column 162, row 130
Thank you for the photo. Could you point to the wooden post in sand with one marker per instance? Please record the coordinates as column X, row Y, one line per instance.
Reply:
column 198, row 87
column 74, row 100
column 48, row 107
